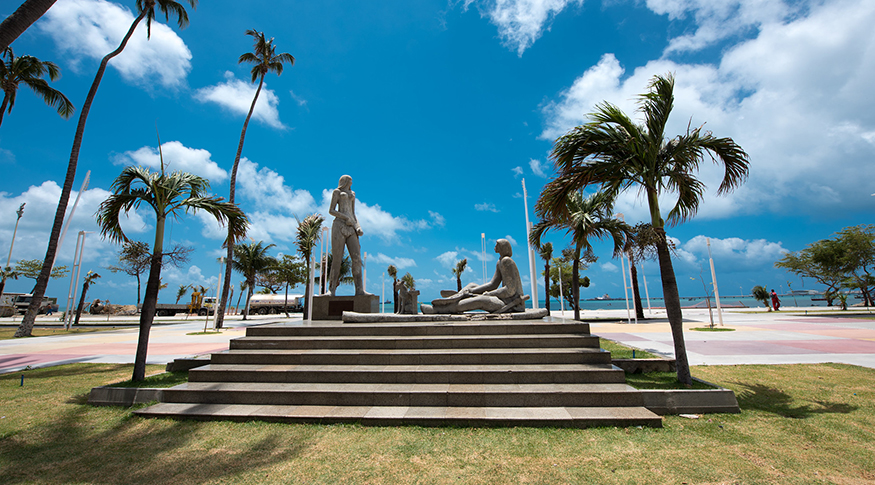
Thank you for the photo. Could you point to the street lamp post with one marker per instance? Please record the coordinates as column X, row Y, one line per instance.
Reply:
column 19, row 212
column 530, row 251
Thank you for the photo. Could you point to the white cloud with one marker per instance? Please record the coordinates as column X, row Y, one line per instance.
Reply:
column 796, row 97
column 176, row 157
column 448, row 259
column 437, row 219
column 485, row 207
column 36, row 224
column 609, row 267
column 521, row 22
column 511, row 240
column 399, row 263
column 537, row 168
column 94, row 28
column 236, row 96
column 517, row 171
column 192, row 275
column 734, row 254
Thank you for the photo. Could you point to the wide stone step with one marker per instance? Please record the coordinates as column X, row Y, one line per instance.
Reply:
column 418, row 342
column 452, row 395
column 379, row 374
column 566, row 417
column 298, row 329
column 414, row 356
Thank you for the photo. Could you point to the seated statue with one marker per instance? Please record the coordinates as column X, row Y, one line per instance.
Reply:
column 503, row 294
column 407, row 298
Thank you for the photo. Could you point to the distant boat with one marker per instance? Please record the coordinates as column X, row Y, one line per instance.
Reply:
column 387, row 302
column 603, row 297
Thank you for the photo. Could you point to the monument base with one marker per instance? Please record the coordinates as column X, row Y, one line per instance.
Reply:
column 529, row 314
column 327, row 307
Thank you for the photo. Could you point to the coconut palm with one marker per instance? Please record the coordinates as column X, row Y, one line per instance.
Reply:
column 265, row 60
column 408, row 281
column 30, row 71
column 546, row 253
column 250, row 259
column 308, row 234
column 89, row 279
column 616, row 153
column 168, row 196
column 458, row 270
column 146, row 9
column 584, row 218
column 760, row 293
column 180, row 292
column 23, row 17
column 393, row 273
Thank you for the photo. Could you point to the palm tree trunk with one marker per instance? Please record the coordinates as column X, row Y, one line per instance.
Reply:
column 636, row 293
column 81, row 303
column 3, row 107
column 227, row 283
column 150, row 303
column 575, row 284
column 42, row 281
column 547, row 286
column 395, row 294
column 286, row 301
column 673, row 308
column 23, row 17
column 248, row 297
column 458, row 283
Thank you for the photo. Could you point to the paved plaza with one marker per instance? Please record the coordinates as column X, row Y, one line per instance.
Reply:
column 786, row 337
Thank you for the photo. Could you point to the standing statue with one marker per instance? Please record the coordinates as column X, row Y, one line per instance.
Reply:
column 345, row 233
column 503, row 294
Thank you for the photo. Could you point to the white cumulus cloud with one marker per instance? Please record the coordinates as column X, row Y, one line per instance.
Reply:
column 236, row 96
column 94, row 28
column 176, row 157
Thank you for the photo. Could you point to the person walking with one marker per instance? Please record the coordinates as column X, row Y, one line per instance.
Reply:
column 776, row 302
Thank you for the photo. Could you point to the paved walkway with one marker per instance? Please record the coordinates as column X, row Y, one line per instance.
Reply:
column 788, row 336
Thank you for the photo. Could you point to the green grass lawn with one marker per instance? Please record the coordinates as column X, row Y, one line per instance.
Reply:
column 7, row 333
column 799, row 424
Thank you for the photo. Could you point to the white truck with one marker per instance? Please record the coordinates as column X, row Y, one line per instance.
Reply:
column 12, row 303
column 200, row 305
column 273, row 304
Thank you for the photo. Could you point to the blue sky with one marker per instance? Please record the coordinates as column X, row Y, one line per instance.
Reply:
column 438, row 110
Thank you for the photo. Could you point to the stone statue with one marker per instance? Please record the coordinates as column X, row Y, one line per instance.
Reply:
column 345, row 232
column 407, row 299
column 503, row 294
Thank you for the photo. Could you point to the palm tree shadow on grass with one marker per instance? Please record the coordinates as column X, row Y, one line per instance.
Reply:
column 134, row 450
column 768, row 399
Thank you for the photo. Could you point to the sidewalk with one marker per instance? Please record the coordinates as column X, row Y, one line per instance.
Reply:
column 785, row 337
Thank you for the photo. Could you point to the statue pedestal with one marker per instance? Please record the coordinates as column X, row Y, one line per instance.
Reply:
column 327, row 307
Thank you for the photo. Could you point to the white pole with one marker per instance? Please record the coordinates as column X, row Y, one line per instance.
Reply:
column 218, row 294
column 383, row 293
column 20, row 213
column 365, row 272
column 626, row 286
column 74, row 279
column 714, row 282
column 646, row 292
column 529, row 250
column 72, row 211
column 483, row 254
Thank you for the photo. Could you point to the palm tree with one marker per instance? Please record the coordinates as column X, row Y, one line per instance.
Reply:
column 760, row 293
column 89, row 279
column 146, row 9
column 308, row 235
column 393, row 273
column 23, row 17
column 408, row 281
column 457, row 272
column 546, row 253
column 30, row 71
column 583, row 218
column 180, row 292
column 266, row 60
column 168, row 196
column 250, row 259
column 616, row 153
column 239, row 296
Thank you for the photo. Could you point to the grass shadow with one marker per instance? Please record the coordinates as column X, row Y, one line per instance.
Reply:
column 771, row 400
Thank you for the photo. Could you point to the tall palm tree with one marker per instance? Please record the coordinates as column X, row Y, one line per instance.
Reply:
column 265, row 60
column 457, row 272
column 393, row 273
column 23, row 17
column 308, row 234
column 169, row 196
column 146, row 9
column 616, row 153
column 546, row 253
column 250, row 259
column 584, row 218
column 89, row 279
column 180, row 292
column 30, row 71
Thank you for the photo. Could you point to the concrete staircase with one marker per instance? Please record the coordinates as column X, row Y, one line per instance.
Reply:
column 463, row 374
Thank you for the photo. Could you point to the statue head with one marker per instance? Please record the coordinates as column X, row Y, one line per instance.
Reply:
column 502, row 247
column 345, row 182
